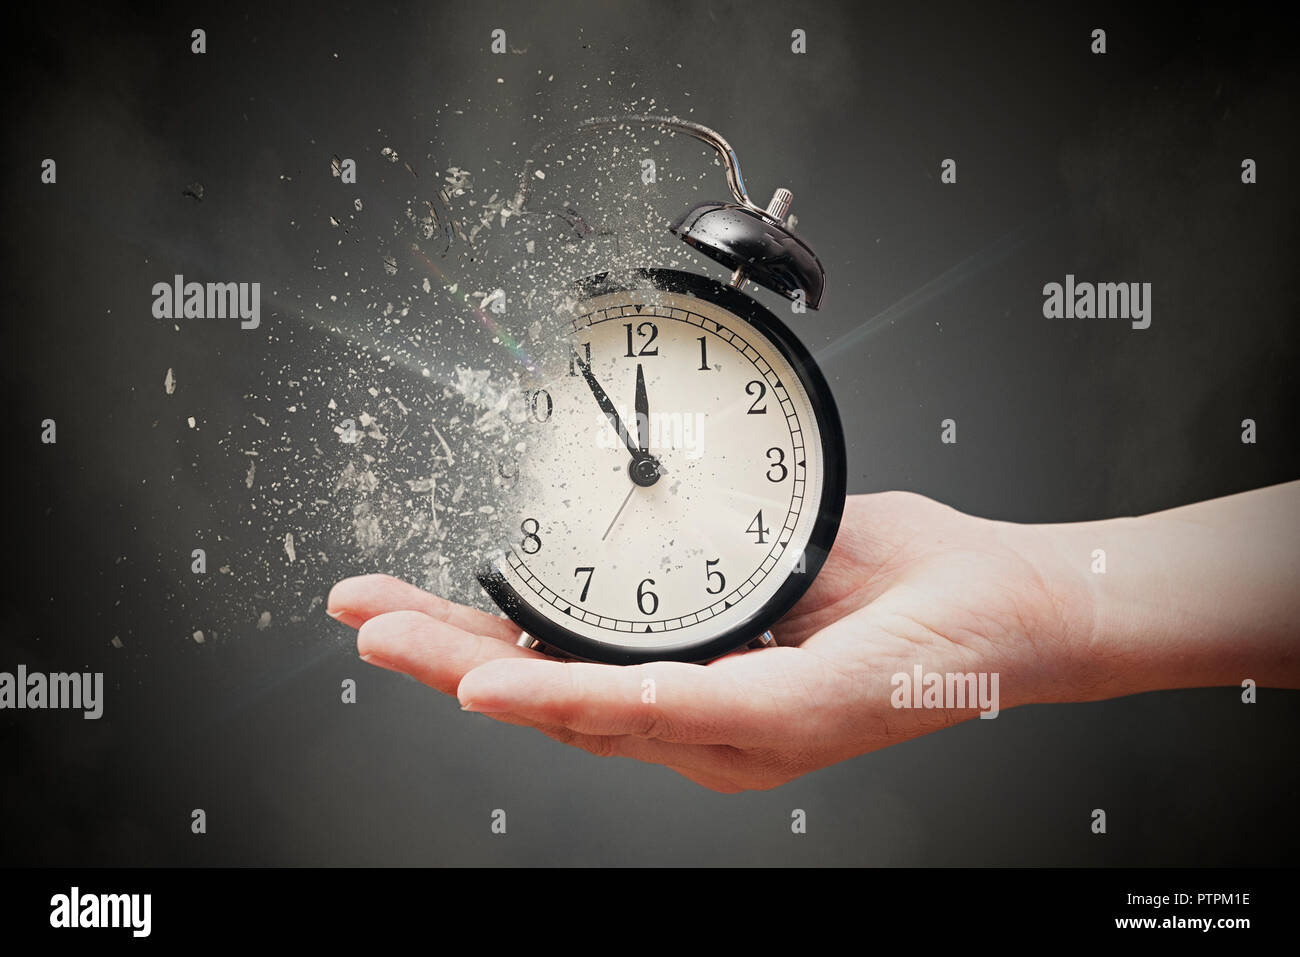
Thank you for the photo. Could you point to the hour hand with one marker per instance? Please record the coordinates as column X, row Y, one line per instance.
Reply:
column 642, row 412
column 646, row 469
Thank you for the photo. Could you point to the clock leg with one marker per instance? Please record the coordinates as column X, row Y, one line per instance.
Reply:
column 528, row 641
column 765, row 640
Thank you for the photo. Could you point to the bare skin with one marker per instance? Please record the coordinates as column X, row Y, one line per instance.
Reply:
column 1198, row 596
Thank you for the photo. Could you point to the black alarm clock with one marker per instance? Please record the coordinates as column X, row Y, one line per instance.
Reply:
column 692, row 478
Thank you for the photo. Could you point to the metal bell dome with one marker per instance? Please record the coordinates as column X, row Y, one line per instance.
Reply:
column 752, row 241
column 763, row 251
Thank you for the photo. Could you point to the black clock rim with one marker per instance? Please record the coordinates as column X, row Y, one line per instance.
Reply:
column 830, row 508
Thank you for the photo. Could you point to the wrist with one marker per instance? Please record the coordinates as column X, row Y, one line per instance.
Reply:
column 1069, row 615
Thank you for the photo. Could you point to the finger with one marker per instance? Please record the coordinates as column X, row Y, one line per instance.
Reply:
column 670, row 701
column 432, row 651
column 709, row 761
column 712, row 762
column 711, row 781
column 353, row 601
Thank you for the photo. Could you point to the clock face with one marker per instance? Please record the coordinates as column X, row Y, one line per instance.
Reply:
column 682, row 482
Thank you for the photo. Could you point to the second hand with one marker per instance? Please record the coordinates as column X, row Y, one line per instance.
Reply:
column 618, row 513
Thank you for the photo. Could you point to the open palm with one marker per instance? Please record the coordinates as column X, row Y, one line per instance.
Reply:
column 909, row 583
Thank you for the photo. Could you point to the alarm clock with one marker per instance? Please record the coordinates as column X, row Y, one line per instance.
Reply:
column 689, row 477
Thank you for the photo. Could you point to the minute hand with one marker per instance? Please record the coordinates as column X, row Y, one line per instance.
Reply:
column 611, row 413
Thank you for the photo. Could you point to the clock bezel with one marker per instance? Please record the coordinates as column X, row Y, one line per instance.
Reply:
column 830, row 508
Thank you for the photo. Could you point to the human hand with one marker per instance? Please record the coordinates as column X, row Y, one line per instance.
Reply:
column 909, row 582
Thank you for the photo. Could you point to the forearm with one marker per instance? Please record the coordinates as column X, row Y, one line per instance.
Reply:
column 1204, row 595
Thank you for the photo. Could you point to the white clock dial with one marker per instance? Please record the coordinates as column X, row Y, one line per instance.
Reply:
column 720, row 525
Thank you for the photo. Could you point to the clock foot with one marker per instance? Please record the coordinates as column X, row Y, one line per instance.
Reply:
column 765, row 640
column 528, row 641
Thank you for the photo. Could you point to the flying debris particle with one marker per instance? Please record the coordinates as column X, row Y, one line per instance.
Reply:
column 458, row 181
column 194, row 191
column 264, row 621
column 356, row 204
column 252, row 470
column 190, row 420
column 433, row 499
column 198, row 638
column 451, row 459
column 169, row 382
column 581, row 228
column 116, row 642
column 540, row 174
column 288, row 545
column 366, row 528
column 362, row 480
column 374, row 431
column 336, row 167
column 389, row 154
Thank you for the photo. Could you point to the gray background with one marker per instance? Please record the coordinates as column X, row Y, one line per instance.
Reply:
column 1116, row 167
